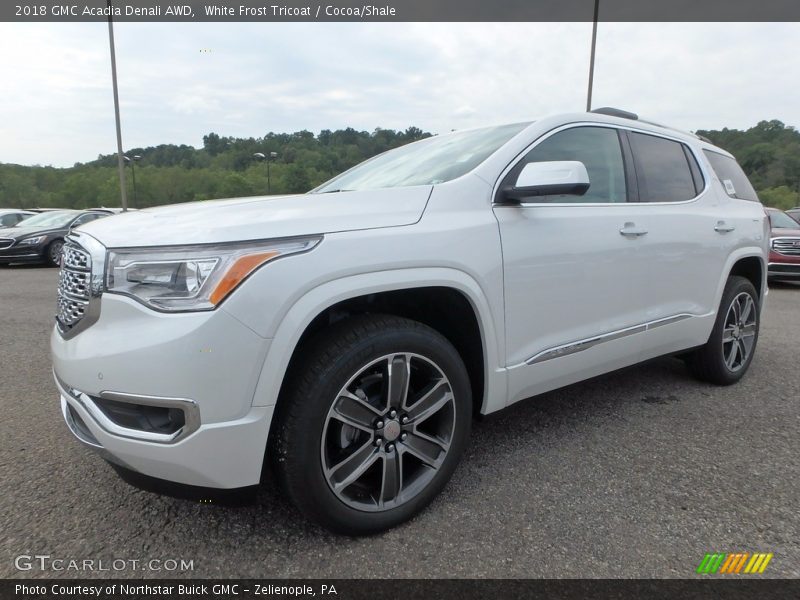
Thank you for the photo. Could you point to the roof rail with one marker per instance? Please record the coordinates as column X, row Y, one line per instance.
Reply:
column 616, row 112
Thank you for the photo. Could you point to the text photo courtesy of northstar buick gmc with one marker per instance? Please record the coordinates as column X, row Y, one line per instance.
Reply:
column 346, row 338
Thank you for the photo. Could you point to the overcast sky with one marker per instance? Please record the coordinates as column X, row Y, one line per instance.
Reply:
column 181, row 81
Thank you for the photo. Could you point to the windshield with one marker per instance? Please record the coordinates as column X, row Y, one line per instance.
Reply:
column 782, row 220
column 56, row 218
column 429, row 161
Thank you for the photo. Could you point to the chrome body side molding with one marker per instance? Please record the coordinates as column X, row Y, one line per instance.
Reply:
column 585, row 344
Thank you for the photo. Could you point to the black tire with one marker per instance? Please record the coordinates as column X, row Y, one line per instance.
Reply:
column 329, row 363
column 708, row 363
column 52, row 253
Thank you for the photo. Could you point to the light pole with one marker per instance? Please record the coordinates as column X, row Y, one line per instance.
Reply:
column 120, row 165
column 268, row 158
column 591, row 57
column 132, row 163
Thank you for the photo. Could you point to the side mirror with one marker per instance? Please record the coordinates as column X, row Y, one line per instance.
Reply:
column 549, row 178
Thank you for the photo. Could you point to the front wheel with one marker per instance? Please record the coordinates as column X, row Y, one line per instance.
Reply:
column 729, row 351
column 374, row 419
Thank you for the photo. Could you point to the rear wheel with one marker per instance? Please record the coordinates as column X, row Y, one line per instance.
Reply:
column 373, row 423
column 729, row 351
column 53, row 253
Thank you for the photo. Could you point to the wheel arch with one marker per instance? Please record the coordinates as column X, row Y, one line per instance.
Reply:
column 750, row 264
column 397, row 289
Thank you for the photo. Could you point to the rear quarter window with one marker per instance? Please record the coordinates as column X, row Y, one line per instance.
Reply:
column 730, row 174
column 663, row 170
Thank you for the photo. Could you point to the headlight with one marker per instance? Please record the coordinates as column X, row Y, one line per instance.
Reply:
column 32, row 241
column 183, row 278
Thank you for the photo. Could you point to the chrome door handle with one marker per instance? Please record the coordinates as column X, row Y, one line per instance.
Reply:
column 722, row 227
column 630, row 230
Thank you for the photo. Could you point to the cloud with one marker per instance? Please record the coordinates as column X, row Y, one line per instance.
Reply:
column 253, row 78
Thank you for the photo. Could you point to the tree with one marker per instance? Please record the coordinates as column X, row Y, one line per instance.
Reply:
column 297, row 180
column 213, row 144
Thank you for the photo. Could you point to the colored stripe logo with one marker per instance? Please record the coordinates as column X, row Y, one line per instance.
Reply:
column 734, row 563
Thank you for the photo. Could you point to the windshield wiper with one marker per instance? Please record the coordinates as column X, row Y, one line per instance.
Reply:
column 334, row 191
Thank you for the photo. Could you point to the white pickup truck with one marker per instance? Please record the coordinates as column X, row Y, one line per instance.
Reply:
column 348, row 336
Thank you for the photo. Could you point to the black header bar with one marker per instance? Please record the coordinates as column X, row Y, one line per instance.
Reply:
column 400, row 10
column 410, row 589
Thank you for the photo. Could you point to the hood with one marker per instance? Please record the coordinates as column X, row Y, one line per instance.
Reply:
column 263, row 217
column 780, row 232
column 18, row 232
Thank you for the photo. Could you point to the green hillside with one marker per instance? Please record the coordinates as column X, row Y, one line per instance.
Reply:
column 224, row 167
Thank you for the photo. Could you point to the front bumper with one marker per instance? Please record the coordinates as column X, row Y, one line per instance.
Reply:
column 219, row 455
column 206, row 363
column 783, row 270
column 22, row 254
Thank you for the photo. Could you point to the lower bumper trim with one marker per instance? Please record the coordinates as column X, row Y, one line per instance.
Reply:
column 783, row 270
column 226, row 497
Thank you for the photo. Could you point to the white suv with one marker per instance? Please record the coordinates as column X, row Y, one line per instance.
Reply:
column 347, row 336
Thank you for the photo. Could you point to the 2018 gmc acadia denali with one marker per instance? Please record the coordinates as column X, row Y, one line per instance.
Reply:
column 347, row 336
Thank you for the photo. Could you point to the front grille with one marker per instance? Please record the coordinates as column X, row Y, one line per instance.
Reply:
column 76, row 258
column 788, row 246
column 6, row 243
column 70, row 311
column 74, row 286
column 74, row 283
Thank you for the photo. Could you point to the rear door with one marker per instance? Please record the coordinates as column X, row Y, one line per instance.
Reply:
column 687, row 241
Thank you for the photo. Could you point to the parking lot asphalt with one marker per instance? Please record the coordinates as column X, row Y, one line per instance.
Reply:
column 635, row 474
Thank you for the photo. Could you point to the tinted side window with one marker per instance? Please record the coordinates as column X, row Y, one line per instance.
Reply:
column 662, row 169
column 84, row 219
column 598, row 148
column 731, row 176
column 697, row 175
column 8, row 220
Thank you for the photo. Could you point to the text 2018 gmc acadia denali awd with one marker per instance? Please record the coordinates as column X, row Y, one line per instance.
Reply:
column 348, row 335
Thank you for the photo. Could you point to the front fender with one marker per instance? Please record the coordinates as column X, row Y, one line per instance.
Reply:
column 316, row 300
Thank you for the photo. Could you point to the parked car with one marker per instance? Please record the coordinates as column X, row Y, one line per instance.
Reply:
column 111, row 211
column 794, row 213
column 11, row 216
column 40, row 238
column 784, row 248
column 347, row 336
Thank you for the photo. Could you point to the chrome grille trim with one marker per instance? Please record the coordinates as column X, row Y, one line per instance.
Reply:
column 74, row 284
column 80, row 284
column 787, row 246
column 6, row 243
column 76, row 258
column 70, row 311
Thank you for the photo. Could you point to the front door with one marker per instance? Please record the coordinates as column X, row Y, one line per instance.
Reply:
column 574, row 282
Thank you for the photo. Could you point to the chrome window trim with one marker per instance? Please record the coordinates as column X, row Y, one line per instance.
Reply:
column 585, row 344
column 702, row 166
column 189, row 408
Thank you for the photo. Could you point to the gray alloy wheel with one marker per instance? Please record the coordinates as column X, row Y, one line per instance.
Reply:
column 388, row 432
column 730, row 348
column 739, row 331
column 54, row 252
